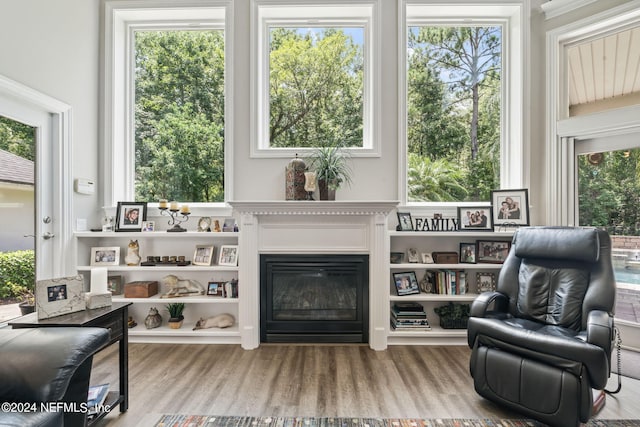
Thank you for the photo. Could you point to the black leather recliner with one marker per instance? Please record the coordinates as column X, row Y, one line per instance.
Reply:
column 542, row 341
column 47, row 365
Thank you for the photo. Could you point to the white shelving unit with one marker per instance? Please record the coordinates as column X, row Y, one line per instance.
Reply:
column 160, row 243
column 423, row 242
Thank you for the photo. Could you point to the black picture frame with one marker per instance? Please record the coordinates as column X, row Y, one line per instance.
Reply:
column 406, row 283
column 114, row 285
column 125, row 212
column 475, row 218
column 215, row 289
column 468, row 253
column 492, row 251
column 404, row 221
column 510, row 207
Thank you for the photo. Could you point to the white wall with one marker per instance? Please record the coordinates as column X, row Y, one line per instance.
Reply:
column 16, row 217
column 53, row 46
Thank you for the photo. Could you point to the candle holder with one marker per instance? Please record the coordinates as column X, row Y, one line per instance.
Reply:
column 175, row 221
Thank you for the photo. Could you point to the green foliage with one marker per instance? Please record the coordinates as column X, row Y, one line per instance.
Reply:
column 315, row 89
column 330, row 164
column 434, row 180
column 17, row 138
column 453, row 311
column 175, row 309
column 17, row 273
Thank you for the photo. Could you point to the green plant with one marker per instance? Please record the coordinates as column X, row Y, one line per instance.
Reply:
column 175, row 310
column 17, row 273
column 27, row 297
column 330, row 165
column 453, row 311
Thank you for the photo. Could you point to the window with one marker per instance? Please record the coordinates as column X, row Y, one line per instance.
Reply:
column 314, row 70
column 463, row 85
column 165, row 86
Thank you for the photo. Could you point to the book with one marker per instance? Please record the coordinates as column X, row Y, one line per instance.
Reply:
column 96, row 396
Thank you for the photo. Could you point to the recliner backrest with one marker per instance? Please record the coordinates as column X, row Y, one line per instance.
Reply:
column 556, row 275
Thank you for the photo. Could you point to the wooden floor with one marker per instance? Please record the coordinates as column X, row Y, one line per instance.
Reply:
column 309, row 380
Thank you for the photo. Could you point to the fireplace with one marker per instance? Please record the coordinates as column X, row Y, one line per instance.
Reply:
column 314, row 298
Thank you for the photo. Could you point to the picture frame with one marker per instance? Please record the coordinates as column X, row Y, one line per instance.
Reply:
column 492, row 251
column 475, row 218
column 105, row 255
column 148, row 226
column 412, row 256
column 114, row 285
column 203, row 255
column 58, row 296
column 229, row 225
column 228, row 255
column 510, row 207
column 396, row 257
column 406, row 283
column 427, row 258
column 404, row 221
column 204, row 224
column 486, row 282
column 468, row 253
column 215, row 289
column 130, row 215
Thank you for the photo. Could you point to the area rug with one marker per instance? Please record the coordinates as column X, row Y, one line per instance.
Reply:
column 220, row 421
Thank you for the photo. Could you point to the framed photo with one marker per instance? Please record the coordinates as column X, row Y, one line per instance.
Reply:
column 396, row 258
column 427, row 258
column 510, row 207
column 204, row 224
column 105, row 255
column 215, row 289
column 229, row 224
column 468, row 253
column 114, row 285
column 486, row 282
column 55, row 297
column 475, row 218
column 406, row 283
column 203, row 255
column 404, row 221
column 228, row 255
column 492, row 251
column 412, row 255
column 130, row 215
column 148, row 225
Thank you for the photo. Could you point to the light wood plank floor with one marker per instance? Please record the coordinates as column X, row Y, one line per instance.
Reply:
column 309, row 380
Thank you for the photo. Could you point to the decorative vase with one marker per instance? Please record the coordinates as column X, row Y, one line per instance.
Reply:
column 294, row 175
column 326, row 193
column 153, row 319
column 26, row 308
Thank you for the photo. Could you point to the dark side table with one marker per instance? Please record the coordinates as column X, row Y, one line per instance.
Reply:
column 114, row 319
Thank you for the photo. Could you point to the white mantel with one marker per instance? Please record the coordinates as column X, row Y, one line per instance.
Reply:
column 313, row 227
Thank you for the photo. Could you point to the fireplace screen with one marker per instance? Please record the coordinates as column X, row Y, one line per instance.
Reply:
column 314, row 298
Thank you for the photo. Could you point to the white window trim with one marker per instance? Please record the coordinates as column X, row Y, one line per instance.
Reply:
column 513, row 16
column 120, row 19
column 563, row 131
column 265, row 13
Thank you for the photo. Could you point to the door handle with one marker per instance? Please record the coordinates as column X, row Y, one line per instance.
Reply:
column 48, row 235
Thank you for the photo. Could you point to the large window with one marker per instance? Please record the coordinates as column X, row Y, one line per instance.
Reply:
column 166, row 78
column 463, row 78
column 314, row 69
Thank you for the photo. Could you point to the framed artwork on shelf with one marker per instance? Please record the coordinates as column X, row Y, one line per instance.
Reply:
column 114, row 285
column 130, row 216
column 148, row 225
column 406, row 283
column 105, row 255
column 486, row 282
column 215, row 289
column 492, row 251
column 396, row 257
column 412, row 255
column 468, row 253
column 228, row 255
column 203, row 255
column 475, row 218
column 404, row 221
column 510, row 207
column 427, row 258
column 55, row 297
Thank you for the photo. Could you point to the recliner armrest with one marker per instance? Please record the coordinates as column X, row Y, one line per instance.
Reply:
column 600, row 329
column 489, row 303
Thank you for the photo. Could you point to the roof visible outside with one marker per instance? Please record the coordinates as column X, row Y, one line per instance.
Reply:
column 16, row 169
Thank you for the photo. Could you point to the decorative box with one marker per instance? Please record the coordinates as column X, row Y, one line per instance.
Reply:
column 445, row 257
column 141, row 289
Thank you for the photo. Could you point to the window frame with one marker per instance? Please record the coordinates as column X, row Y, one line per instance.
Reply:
column 515, row 48
column 121, row 20
column 313, row 13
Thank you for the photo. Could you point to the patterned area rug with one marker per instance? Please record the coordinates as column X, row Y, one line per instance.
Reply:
column 215, row 421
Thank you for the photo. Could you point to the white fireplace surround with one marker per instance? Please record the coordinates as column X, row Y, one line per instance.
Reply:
column 314, row 227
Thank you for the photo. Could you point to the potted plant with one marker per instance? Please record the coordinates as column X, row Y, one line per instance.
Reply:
column 332, row 169
column 453, row 316
column 28, row 302
column 175, row 310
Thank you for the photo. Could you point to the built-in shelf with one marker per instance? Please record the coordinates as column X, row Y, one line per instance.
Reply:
column 190, row 300
column 434, row 297
column 433, row 266
column 156, row 234
column 174, row 269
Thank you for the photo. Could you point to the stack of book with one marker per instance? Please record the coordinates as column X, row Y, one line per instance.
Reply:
column 409, row 316
column 96, row 397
